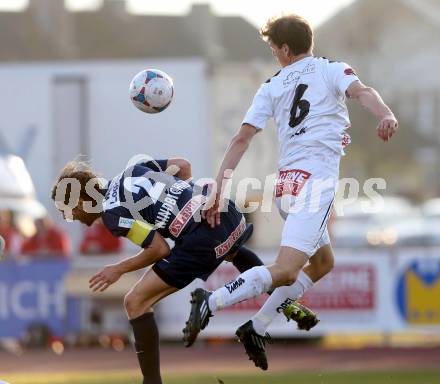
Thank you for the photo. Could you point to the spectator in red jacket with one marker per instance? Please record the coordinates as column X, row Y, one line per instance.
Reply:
column 98, row 240
column 10, row 234
column 48, row 241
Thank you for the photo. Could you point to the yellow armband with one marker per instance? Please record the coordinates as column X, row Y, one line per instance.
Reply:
column 139, row 232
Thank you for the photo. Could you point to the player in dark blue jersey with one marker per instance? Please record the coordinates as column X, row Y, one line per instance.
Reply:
column 148, row 202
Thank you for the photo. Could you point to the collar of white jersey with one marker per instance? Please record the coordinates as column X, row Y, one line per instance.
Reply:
column 306, row 60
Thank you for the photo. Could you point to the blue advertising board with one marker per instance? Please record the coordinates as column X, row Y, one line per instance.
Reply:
column 418, row 291
column 33, row 293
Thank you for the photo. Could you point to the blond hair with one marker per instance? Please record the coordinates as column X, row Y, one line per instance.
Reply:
column 79, row 170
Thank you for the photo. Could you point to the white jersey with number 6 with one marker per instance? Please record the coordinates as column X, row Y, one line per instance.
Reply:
column 307, row 101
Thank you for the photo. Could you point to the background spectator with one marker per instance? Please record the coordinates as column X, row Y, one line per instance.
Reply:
column 98, row 240
column 49, row 240
column 10, row 234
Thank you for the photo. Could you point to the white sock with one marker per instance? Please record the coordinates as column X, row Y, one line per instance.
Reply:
column 279, row 298
column 250, row 283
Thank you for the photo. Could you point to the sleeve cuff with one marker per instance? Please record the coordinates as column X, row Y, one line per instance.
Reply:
column 148, row 240
column 256, row 125
column 157, row 165
column 346, row 82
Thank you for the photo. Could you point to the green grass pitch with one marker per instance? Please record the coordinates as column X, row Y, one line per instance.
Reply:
column 387, row 377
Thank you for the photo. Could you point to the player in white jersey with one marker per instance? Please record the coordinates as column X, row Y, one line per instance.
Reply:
column 306, row 98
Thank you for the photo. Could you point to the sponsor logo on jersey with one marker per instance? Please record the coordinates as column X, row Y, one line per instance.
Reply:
column 291, row 182
column 346, row 140
column 185, row 214
column 232, row 286
column 300, row 132
column 226, row 246
column 293, row 77
column 166, row 210
column 169, row 203
column 309, row 69
column 350, row 72
column 111, row 199
column 284, row 305
column 125, row 222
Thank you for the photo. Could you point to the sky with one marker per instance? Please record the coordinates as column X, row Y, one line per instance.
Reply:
column 256, row 11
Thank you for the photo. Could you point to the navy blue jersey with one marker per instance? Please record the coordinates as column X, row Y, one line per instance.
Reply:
column 144, row 199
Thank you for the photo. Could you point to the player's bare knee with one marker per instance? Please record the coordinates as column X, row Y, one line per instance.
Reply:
column 285, row 277
column 133, row 303
column 137, row 302
column 128, row 303
column 291, row 277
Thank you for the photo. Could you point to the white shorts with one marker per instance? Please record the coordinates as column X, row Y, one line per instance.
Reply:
column 304, row 195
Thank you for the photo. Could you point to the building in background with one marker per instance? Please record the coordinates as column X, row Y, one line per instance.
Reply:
column 393, row 45
column 66, row 75
column 65, row 82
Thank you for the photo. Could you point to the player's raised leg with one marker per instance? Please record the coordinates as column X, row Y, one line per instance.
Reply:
column 244, row 259
column 138, row 305
column 283, row 299
column 249, row 284
column 261, row 279
column 285, row 271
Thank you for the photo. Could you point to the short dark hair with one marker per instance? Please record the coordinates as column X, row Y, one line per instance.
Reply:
column 292, row 30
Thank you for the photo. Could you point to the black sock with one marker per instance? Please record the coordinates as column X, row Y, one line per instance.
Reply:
column 246, row 259
column 146, row 338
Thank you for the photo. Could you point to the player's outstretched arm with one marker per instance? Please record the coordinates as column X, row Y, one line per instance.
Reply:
column 180, row 168
column 236, row 148
column 157, row 250
column 371, row 100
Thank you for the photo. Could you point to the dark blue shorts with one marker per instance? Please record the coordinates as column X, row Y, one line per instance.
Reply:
column 198, row 253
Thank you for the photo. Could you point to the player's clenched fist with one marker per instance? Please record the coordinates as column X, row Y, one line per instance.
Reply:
column 387, row 127
column 103, row 279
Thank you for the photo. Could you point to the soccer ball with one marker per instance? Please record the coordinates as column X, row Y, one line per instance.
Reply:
column 151, row 90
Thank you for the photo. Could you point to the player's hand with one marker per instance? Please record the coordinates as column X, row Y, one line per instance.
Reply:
column 212, row 211
column 103, row 279
column 387, row 127
column 212, row 215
